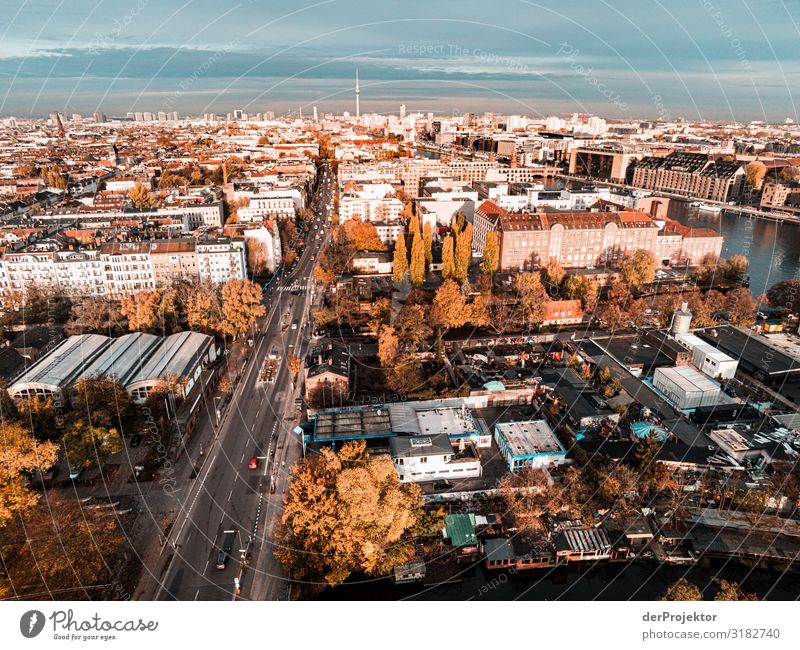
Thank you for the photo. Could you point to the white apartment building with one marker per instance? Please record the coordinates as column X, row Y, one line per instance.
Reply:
column 370, row 209
column 278, row 204
column 80, row 273
column 127, row 267
column 221, row 259
column 419, row 459
column 28, row 268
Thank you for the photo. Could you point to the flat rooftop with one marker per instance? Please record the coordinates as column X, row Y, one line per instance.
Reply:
column 688, row 378
column 424, row 418
column 352, row 424
column 529, row 438
column 753, row 350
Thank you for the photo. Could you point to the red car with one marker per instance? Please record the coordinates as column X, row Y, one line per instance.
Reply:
column 253, row 464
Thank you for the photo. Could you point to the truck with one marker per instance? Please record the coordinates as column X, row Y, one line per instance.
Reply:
column 269, row 369
column 225, row 549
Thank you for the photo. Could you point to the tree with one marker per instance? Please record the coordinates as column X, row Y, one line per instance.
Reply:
column 346, row 512
column 413, row 225
column 241, row 306
column 737, row 267
column 142, row 310
column 463, row 252
column 73, row 548
column 448, row 258
column 20, row 452
column 204, row 308
column 400, row 262
column 613, row 310
column 412, row 326
column 682, row 590
column 785, row 294
column 94, row 315
column 39, row 414
column 257, row 255
column 363, row 235
column 449, row 306
column 552, row 273
column 388, row 346
column 491, row 253
column 522, row 493
column 293, row 363
column 755, row 172
column 638, row 268
column 102, row 399
column 417, row 261
column 740, row 306
column 53, row 178
column 531, row 297
column 731, row 591
column 427, row 239
column 90, row 446
column 141, row 197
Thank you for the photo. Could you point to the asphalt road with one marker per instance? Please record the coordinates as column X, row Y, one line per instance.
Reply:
column 226, row 494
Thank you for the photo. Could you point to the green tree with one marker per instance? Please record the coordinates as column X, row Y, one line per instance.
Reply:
column 417, row 261
column 491, row 253
column 400, row 262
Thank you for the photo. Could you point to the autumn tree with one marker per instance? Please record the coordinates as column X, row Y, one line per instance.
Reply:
column 293, row 362
column 522, row 494
column 448, row 258
column 241, row 306
column 682, row 590
column 449, row 306
column 741, row 306
column 141, row 310
column 257, row 255
column 363, row 235
column 102, row 400
column 89, row 446
column 400, row 262
column 785, row 294
column 755, row 172
column 427, row 240
column 737, row 267
column 491, row 253
column 141, row 196
column 417, row 261
column 552, row 273
column 388, row 346
column 204, row 308
column 614, row 309
column 346, row 512
column 578, row 287
column 94, row 315
column 38, row 413
column 413, row 225
column 531, row 297
column 74, row 550
column 20, row 452
column 638, row 268
column 412, row 326
column 463, row 253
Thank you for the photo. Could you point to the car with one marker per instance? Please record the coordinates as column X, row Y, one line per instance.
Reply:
column 74, row 473
column 136, row 439
column 294, row 325
column 442, row 485
column 253, row 464
column 313, row 257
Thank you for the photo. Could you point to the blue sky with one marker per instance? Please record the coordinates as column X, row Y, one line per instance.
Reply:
column 726, row 59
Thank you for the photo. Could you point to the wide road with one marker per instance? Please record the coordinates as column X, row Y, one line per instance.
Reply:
column 226, row 494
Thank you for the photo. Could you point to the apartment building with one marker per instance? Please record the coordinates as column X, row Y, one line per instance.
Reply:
column 127, row 267
column 221, row 260
column 80, row 272
column 575, row 239
column 691, row 174
column 173, row 260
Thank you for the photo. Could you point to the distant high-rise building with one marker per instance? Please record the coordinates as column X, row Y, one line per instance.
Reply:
column 358, row 97
column 76, row 117
column 137, row 115
column 174, row 116
column 238, row 114
column 315, row 114
column 402, row 111
column 99, row 118
column 269, row 115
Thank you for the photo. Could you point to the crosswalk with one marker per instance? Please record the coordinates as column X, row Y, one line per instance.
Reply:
column 297, row 286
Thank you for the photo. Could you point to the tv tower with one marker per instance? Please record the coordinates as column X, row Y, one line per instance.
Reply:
column 358, row 92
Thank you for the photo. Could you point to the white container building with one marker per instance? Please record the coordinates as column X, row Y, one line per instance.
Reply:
column 686, row 388
column 707, row 358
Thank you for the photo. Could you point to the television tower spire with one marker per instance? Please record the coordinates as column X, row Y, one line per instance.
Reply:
column 358, row 92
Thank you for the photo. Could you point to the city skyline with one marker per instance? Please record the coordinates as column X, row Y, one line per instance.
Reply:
column 735, row 63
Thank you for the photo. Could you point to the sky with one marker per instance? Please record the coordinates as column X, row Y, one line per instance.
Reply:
column 645, row 59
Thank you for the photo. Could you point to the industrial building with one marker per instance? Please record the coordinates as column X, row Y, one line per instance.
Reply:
column 686, row 388
column 138, row 361
column 54, row 372
column 528, row 444
column 708, row 359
